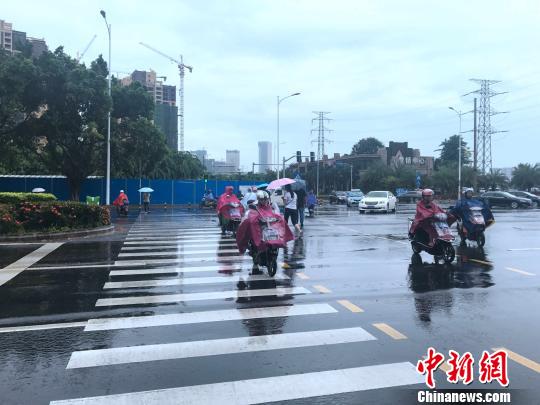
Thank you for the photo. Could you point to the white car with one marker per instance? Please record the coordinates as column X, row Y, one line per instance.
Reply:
column 383, row 201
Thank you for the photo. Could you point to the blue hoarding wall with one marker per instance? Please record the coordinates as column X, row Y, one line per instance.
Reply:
column 166, row 191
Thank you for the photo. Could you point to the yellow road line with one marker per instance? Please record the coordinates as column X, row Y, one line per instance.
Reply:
column 350, row 306
column 533, row 365
column 524, row 361
column 525, row 273
column 302, row 276
column 394, row 334
column 322, row 289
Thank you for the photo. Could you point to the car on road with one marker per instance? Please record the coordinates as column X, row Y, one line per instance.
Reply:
column 410, row 197
column 504, row 199
column 525, row 194
column 354, row 197
column 338, row 197
column 374, row 201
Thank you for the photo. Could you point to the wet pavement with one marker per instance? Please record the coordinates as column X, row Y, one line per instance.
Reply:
column 165, row 309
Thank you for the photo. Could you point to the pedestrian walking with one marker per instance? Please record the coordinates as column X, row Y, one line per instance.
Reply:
column 290, row 200
column 146, row 202
column 301, row 205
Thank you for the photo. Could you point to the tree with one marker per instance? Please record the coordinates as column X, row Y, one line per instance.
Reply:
column 366, row 146
column 71, row 127
column 131, row 101
column 179, row 165
column 373, row 177
column 525, row 176
column 450, row 151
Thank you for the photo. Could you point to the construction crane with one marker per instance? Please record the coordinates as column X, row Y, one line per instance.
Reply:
column 79, row 57
column 181, row 68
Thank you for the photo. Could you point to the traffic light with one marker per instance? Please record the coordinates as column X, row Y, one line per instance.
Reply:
column 299, row 156
column 312, row 157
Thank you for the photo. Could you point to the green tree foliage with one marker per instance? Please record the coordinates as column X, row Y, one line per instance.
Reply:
column 71, row 127
column 131, row 101
column 450, row 152
column 366, row 146
column 525, row 176
column 179, row 165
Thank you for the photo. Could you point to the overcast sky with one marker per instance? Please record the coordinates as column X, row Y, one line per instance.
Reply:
column 387, row 69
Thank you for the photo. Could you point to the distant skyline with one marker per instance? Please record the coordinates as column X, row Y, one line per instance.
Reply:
column 386, row 69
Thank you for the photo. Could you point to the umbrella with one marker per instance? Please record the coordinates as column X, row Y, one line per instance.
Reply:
column 146, row 190
column 38, row 190
column 279, row 183
column 263, row 185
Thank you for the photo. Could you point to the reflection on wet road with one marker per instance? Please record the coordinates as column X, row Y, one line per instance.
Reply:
column 166, row 309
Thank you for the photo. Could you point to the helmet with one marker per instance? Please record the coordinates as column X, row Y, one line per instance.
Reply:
column 467, row 190
column 262, row 197
column 121, row 191
column 427, row 192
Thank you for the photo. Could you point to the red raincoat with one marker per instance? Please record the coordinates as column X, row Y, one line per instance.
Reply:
column 250, row 229
column 120, row 199
column 226, row 198
column 422, row 214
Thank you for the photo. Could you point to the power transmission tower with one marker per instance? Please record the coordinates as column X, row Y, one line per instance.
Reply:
column 484, row 128
column 321, row 138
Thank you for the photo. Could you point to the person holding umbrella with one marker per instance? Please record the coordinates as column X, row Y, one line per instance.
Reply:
column 146, row 198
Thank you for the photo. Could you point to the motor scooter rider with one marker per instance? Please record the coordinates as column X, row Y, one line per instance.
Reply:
column 226, row 198
column 426, row 208
column 120, row 201
column 249, row 197
column 463, row 207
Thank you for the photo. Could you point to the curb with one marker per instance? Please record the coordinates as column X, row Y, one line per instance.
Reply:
column 58, row 235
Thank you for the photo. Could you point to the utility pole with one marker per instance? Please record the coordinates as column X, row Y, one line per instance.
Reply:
column 475, row 151
column 321, row 138
column 181, row 69
column 484, row 129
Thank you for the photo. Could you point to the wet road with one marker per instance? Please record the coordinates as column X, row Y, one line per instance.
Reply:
column 166, row 310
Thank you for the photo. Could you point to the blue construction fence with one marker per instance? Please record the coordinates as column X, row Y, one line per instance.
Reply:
column 166, row 191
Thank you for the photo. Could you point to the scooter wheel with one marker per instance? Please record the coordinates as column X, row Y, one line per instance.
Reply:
column 481, row 240
column 449, row 253
column 415, row 247
column 272, row 268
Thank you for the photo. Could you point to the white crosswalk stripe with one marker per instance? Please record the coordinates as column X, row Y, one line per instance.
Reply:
column 269, row 389
column 189, row 281
column 175, row 270
column 137, row 354
column 180, row 253
column 132, row 238
column 147, row 321
column 211, row 295
column 222, row 259
column 149, row 245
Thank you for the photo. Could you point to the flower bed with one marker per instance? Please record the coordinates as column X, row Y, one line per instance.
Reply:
column 14, row 198
column 28, row 217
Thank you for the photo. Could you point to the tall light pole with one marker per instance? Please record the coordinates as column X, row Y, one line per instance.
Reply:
column 459, row 113
column 108, row 188
column 279, row 100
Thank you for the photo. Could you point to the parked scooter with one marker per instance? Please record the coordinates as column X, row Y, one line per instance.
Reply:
column 434, row 237
column 231, row 216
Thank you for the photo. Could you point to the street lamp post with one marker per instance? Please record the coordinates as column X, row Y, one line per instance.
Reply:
column 459, row 113
column 279, row 100
column 108, row 188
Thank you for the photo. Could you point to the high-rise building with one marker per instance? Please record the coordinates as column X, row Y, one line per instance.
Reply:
column 164, row 96
column 16, row 41
column 232, row 157
column 265, row 156
column 6, row 36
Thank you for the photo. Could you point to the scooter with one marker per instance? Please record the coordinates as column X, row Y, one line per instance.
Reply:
column 477, row 227
column 231, row 216
column 206, row 203
column 271, row 240
column 123, row 209
column 311, row 211
column 435, row 228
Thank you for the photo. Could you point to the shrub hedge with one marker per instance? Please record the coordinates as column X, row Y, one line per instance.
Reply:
column 27, row 217
column 14, row 198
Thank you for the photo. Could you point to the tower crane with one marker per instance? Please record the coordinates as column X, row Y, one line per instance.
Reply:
column 79, row 57
column 181, row 68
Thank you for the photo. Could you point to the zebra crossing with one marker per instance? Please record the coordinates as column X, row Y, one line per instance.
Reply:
column 194, row 284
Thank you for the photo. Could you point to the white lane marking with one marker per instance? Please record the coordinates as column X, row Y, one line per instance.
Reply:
column 13, row 269
column 162, row 245
column 180, row 253
column 222, row 259
column 525, row 273
column 522, row 249
column 268, row 389
column 223, row 315
column 27, row 328
column 159, row 231
column 190, row 281
column 212, row 295
column 177, row 238
column 213, row 347
column 175, row 270
column 175, row 228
